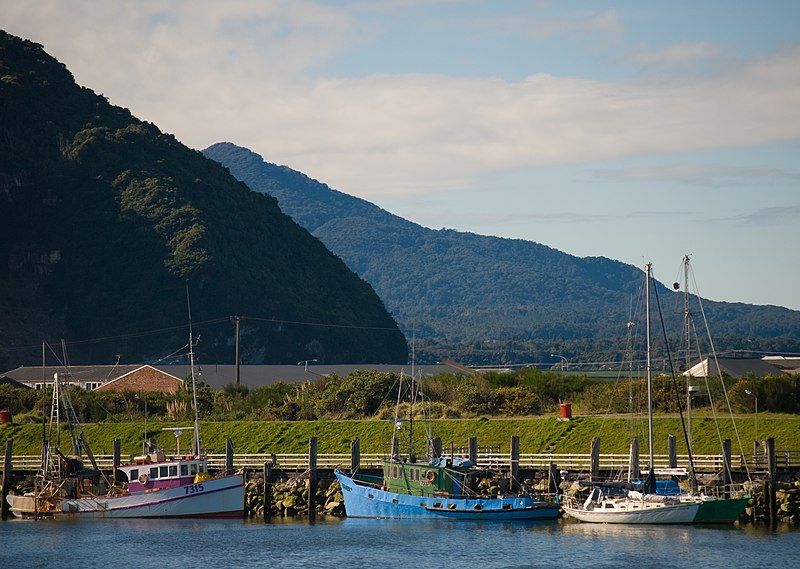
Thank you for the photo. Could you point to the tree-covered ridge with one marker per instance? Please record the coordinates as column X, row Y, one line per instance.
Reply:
column 489, row 299
column 106, row 218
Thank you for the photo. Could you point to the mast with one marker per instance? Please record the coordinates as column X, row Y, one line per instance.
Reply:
column 44, row 424
column 413, row 396
column 194, row 384
column 688, row 356
column 648, row 271
column 396, row 419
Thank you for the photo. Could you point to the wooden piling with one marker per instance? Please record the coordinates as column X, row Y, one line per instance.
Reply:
column 726, row 459
column 4, row 508
column 116, row 459
column 267, row 490
column 312, row 479
column 514, row 463
column 554, row 478
column 772, row 465
column 355, row 455
column 473, row 450
column 633, row 460
column 594, row 466
column 228, row 454
column 769, row 485
column 673, row 451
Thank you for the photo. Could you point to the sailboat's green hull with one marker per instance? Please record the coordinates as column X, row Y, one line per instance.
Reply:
column 721, row 511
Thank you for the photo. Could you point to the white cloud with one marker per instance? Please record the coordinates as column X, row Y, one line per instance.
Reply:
column 683, row 52
column 250, row 73
column 605, row 22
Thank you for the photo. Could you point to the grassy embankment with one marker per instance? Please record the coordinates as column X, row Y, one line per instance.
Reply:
column 537, row 434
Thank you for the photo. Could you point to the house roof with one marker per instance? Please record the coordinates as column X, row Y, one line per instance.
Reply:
column 789, row 364
column 5, row 380
column 99, row 373
column 734, row 367
column 126, row 374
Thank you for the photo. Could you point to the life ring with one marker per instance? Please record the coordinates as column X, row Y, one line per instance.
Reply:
column 144, row 478
column 430, row 476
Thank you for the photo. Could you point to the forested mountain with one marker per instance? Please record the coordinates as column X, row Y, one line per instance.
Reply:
column 488, row 299
column 105, row 219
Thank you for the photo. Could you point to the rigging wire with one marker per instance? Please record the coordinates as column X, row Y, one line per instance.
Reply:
column 719, row 371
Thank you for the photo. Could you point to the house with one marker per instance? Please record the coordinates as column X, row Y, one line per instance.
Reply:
column 136, row 377
column 732, row 367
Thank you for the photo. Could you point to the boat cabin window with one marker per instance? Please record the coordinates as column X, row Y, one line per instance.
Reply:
column 154, row 472
column 184, row 470
column 173, row 470
column 134, row 474
column 163, row 471
column 193, row 468
column 202, row 467
column 415, row 474
column 610, row 506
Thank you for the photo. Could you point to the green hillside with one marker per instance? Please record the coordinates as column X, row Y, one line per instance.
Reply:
column 537, row 434
column 483, row 299
column 106, row 218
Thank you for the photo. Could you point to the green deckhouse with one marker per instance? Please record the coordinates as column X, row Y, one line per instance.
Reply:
column 438, row 477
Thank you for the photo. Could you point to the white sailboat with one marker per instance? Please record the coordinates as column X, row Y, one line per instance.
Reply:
column 646, row 507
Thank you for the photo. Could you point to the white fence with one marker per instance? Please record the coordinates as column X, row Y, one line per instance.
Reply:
column 495, row 460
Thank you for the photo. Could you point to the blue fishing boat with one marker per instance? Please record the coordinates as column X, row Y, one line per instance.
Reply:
column 440, row 488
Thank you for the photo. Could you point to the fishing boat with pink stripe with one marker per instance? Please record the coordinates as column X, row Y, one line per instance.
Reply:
column 150, row 486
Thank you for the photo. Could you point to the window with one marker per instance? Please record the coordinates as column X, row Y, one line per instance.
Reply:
column 193, row 468
column 184, row 470
column 173, row 470
column 202, row 467
column 164, row 472
column 154, row 472
column 134, row 473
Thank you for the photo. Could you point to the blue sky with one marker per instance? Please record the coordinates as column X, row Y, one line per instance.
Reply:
column 638, row 131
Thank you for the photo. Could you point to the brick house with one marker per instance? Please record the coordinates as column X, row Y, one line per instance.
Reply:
column 142, row 379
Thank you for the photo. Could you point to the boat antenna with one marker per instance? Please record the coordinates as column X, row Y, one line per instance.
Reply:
column 692, row 474
column 194, row 383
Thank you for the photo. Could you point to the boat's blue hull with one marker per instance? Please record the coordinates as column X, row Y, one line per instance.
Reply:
column 362, row 501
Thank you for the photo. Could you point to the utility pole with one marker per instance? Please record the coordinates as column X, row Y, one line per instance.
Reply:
column 237, row 319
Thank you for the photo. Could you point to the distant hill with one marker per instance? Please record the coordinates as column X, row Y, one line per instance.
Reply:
column 105, row 218
column 484, row 298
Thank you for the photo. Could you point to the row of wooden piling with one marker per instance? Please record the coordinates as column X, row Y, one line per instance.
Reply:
column 355, row 461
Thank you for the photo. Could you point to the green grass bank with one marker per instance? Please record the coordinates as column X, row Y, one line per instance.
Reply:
column 537, row 434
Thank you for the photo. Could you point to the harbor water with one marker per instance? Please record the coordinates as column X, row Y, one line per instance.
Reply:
column 387, row 543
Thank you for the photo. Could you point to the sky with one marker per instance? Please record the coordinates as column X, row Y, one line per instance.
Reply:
column 631, row 130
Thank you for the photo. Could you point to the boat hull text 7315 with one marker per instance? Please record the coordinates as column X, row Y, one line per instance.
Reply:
column 215, row 497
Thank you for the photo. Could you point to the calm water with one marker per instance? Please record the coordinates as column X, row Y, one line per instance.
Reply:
column 162, row 544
